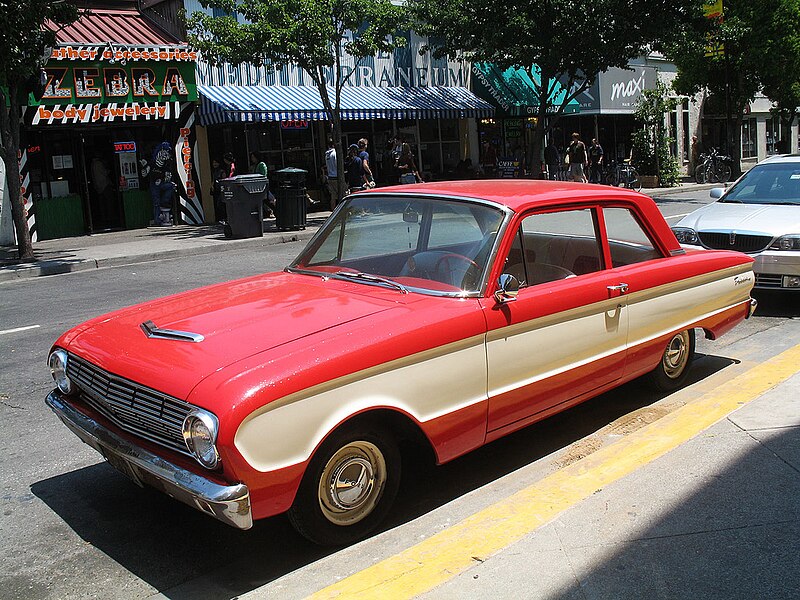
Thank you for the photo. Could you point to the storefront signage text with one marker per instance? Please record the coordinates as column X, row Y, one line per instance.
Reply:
column 110, row 84
column 294, row 124
column 120, row 147
column 136, row 53
column 101, row 113
column 186, row 160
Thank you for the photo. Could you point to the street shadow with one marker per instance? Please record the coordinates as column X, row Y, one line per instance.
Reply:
column 736, row 537
column 142, row 529
column 773, row 303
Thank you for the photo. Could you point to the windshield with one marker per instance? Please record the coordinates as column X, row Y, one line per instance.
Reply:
column 428, row 245
column 777, row 183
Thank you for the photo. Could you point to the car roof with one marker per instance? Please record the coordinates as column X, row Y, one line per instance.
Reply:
column 517, row 194
column 781, row 158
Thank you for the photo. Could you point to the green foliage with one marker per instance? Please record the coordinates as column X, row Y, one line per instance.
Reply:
column 651, row 143
column 24, row 48
column 23, row 38
column 567, row 41
column 313, row 34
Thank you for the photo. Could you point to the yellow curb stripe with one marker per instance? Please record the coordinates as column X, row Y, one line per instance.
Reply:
column 454, row 550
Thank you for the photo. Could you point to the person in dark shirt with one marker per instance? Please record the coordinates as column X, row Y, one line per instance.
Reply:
column 354, row 169
column 595, row 161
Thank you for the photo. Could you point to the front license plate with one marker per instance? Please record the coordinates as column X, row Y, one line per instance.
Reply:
column 123, row 466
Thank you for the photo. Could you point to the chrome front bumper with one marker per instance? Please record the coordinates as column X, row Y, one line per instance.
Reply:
column 230, row 504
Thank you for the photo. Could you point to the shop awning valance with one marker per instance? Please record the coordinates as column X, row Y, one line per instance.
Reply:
column 231, row 104
column 515, row 91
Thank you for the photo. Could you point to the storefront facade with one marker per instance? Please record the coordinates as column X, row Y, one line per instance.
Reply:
column 426, row 101
column 87, row 141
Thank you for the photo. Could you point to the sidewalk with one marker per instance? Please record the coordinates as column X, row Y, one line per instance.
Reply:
column 67, row 255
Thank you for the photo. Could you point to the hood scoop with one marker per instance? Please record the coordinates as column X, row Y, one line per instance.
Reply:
column 152, row 331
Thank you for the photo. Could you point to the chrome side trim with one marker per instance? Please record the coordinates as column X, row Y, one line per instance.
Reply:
column 228, row 503
column 152, row 331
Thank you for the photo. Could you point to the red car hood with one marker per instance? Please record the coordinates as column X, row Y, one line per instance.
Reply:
column 236, row 319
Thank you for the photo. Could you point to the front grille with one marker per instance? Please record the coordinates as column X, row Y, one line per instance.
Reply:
column 769, row 281
column 741, row 242
column 133, row 408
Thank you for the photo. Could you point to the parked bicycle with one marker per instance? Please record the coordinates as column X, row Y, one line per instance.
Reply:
column 713, row 167
column 622, row 174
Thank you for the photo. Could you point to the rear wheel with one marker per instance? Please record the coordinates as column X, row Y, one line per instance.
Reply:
column 348, row 487
column 673, row 369
column 701, row 173
column 634, row 183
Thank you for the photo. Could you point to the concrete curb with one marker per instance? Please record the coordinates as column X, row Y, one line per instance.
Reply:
column 60, row 267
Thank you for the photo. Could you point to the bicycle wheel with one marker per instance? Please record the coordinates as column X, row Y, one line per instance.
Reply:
column 700, row 173
column 634, row 182
column 724, row 173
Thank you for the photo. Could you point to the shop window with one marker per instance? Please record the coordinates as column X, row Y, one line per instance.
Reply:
column 749, row 139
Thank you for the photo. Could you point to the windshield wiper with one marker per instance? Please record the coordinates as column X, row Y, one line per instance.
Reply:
column 369, row 278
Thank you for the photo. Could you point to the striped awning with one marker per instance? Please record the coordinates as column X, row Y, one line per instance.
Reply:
column 231, row 104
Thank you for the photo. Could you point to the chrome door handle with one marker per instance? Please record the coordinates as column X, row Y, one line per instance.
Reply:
column 622, row 288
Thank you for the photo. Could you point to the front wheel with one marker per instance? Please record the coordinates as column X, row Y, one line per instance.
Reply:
column 348, row 487
column 673, row 369
column 723, row 174
column 701, row 173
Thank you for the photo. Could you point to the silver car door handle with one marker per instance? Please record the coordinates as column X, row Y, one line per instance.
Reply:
column 622, row 288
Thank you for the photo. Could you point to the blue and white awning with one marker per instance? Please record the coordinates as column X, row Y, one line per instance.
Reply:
column 231, row 104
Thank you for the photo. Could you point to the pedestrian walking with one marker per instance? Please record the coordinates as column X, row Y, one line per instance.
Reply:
column 364, row 156
column 218, row 174
column 331, row 172
column 407, row 166
column 595, row 161
column 354, row 169
column 230, row 164
column 552, row 159
column 576, row 153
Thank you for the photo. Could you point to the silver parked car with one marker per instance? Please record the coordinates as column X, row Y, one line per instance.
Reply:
column 760, row 216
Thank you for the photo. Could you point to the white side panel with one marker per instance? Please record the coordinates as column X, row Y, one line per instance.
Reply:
column 530, row 356
column 286, row 432
column 653, row 317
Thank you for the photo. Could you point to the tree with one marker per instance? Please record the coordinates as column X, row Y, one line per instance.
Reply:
column 551, row 39
column 717, row 55
column 776, row 50
column 651, row 143
column 316, row 35
column 25, row 44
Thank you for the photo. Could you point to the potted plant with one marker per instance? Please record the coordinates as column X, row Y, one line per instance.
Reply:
column 654, row 162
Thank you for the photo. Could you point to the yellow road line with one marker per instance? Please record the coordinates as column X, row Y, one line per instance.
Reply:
column 454, row 550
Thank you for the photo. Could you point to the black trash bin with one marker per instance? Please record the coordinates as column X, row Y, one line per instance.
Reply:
column 290, row 198
column 244, row 197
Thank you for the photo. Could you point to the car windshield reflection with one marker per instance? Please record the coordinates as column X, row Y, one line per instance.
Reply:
column 420, row 244
column 777, row 183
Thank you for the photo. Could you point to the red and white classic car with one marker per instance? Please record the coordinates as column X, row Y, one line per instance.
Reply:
column 444, row 314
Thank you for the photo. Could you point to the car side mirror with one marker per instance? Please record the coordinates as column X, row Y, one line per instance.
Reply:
column 508, row 288
column 716, row 192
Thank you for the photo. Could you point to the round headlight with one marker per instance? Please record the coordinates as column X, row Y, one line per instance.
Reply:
column 58, row 369
column 200, row 436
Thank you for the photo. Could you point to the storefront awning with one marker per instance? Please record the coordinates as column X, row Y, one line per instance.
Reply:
column 514, row 92
column 231, row 104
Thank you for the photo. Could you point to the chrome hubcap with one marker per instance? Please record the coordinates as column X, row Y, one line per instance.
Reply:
column 676, row 355
column 352, row 483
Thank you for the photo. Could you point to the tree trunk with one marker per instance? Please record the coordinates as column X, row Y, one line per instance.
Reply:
column 10, row 131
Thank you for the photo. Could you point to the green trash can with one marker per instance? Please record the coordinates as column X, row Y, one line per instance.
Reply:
column 290, row 198
column 244, row 197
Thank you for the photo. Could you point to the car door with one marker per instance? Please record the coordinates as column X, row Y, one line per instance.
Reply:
column 564, row 335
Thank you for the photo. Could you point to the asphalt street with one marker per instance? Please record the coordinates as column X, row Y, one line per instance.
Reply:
column 714, row 515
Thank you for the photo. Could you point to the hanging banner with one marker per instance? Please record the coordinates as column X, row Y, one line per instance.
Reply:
column 190, row 204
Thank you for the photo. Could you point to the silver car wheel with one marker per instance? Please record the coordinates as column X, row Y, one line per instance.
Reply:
column 676, row 355
column 352, row 483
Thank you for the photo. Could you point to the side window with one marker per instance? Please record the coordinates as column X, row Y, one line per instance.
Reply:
column 628, row 242
column 559, row 245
